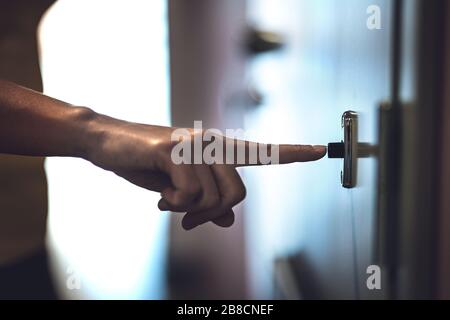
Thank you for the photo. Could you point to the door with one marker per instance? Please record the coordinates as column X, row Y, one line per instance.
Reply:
column 337, row 56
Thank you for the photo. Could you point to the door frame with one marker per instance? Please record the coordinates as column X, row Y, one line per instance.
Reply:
column 418, row 224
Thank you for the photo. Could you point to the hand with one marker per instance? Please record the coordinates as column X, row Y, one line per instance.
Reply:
column 141, row 154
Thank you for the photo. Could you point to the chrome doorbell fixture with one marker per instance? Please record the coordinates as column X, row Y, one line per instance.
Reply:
column 347, row 150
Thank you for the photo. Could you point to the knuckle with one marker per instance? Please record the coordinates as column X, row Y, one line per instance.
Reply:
column 178, row 202
column 183, row 199
column 242, row 194
column 211, row 202
column 238, row 195
column 195, row 188
column 193, row 191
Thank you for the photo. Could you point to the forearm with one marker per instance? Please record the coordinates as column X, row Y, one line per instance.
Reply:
column 37, row 125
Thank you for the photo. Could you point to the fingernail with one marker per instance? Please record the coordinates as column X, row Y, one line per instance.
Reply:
column 320, row 149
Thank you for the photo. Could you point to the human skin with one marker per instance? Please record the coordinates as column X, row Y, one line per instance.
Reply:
column 33, row 124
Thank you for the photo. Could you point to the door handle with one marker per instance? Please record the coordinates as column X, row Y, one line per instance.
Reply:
column 347, row 150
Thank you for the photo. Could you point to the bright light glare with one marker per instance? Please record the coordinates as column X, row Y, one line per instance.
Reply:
column 112, row 56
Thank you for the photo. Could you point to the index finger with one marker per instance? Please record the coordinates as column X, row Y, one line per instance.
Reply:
column 247, row 153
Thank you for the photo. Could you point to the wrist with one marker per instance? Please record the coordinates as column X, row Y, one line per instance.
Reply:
column 97, row 132
column 89, row 137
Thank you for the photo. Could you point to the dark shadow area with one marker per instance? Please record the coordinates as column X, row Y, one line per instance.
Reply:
column 27, row 279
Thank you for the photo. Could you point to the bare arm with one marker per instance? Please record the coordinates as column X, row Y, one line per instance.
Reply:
column 37, row 125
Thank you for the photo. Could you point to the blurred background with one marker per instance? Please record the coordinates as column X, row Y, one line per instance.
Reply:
column 284, row 71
